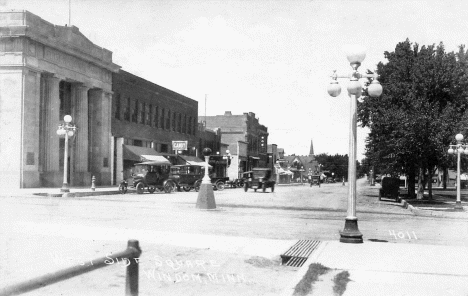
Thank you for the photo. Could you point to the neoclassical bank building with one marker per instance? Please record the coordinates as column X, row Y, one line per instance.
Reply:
column 46, row 72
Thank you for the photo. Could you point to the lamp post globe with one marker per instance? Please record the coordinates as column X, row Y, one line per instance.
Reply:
column 334, row 89
column 67, row 118
column 355, row 53
column 450, row 151
column 354, row 87
column 460, row 150
column 206, row 151
column 375, row 89
column 459, row 137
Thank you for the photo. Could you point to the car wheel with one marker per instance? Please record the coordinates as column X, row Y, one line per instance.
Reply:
column 255, row 189
column 140, row 188
column 246, row 187
column 264, row 187
column 168, row 187
column 151, row 189
column 122, row 189
column 273, row 188
column 241, row 183
column 220, row 186
column 187, row 188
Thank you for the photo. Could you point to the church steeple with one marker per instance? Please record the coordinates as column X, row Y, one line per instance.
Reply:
column 311, row 152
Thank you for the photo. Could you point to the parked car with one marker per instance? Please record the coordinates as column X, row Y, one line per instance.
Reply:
column 390, row 188
column 186, row 176
column 189, row 177
column 152, row 175
column 259, row 178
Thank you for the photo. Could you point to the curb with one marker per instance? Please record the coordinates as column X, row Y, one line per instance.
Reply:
column 430, row 213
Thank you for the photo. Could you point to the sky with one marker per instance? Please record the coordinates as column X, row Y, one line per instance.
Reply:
column 272, row 58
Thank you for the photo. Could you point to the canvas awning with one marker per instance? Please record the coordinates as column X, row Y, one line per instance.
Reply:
column 193, row 160
column 136, row 153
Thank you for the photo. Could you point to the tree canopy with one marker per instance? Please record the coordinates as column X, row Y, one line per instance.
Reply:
column 422, row 108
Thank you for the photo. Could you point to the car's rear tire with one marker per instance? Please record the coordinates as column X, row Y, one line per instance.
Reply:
column 187, row 188
column 168, row 187
column 264, row 187
column 220, row 186
column 246, row 187
column 140, row 188
column 273, row 188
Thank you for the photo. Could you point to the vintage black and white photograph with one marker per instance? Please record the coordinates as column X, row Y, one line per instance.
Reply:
column 233, row 147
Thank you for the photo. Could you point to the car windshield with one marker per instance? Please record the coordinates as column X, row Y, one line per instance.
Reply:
column 260, row 174
column 140, row 169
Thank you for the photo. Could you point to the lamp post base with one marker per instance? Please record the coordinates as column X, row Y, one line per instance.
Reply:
column 206, row 198
column 351, row 233
column 458, row 206
column 65, row 188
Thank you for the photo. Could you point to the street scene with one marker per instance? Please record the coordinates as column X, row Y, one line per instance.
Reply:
column 243, row 237
column 233, row 147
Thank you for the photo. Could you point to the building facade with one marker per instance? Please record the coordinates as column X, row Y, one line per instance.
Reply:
column 146, row 119
column 243, row 128
column 46, row 72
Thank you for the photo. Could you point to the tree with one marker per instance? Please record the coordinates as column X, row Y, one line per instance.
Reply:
column 421, row 109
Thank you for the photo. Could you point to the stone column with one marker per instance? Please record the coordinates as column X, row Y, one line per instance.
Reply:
column 100, row 133
column 81, row 121
column 51, row 115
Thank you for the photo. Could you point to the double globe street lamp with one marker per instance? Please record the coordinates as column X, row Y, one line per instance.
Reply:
column 355, row 55
column 459, row 148
column 67, row 130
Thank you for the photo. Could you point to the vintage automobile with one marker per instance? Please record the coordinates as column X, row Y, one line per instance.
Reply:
column 189, row 176
column 186, row 176
column 314, row 180
column 152, row 175
column 390, row 188
column 259, row 178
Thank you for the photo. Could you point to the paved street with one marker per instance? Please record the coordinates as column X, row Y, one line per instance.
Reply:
column 35, row 228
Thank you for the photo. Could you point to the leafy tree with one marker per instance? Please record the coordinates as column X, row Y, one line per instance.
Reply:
column 421, row 109
column 337, row 164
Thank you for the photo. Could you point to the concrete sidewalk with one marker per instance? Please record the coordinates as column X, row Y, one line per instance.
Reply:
column 388, row 269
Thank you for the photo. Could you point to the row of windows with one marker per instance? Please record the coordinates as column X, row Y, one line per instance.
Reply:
column 154, row 116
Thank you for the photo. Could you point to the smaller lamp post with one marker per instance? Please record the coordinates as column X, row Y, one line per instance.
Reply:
column 302, row 172
column 206, row 198
column 460, row 148
column 66, row 129
column 371, row 173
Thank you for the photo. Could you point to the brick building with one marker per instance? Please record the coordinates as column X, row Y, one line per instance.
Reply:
column 243, row 128
column 146, row 119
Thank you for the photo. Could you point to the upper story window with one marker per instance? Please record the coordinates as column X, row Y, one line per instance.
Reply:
column 168, row 120
column 135, row 112
column 156, row 117
column 127, row 111
column 118, row 106
column 149, row 118
column 142, row 113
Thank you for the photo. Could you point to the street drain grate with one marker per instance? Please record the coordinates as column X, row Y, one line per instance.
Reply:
column 297, row 255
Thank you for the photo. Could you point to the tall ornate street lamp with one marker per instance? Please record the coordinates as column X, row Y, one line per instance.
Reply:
column 460, row 148
column 355, row 55
column 67, row 130
column 206, row 198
